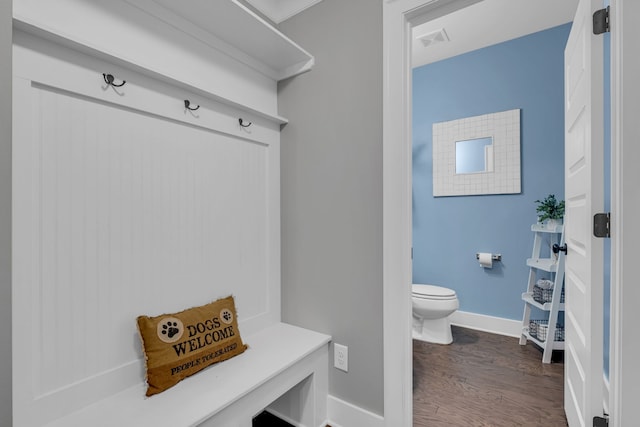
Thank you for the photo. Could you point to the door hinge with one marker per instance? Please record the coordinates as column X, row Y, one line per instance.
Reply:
column 601, row 21
column 602, row 225
column 601, row 421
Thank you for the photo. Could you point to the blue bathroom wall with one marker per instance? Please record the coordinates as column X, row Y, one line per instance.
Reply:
column 524, row 73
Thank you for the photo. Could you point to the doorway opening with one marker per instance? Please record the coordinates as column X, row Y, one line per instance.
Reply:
column 472, row 72
column 398, row 18
column 419, row 152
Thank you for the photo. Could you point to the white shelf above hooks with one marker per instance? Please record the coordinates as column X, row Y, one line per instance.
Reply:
column 229, row 26
column 210, row 48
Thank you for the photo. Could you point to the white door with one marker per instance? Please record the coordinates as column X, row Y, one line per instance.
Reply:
column 584, row 185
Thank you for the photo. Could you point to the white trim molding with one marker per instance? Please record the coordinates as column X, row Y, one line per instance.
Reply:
column 398, row 18
column 398, row 405
column 281, row 10
column 624, row 372
column 482, row 322
column 345, row 414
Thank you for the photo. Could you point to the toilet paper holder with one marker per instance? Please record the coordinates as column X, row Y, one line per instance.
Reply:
column 494, row 257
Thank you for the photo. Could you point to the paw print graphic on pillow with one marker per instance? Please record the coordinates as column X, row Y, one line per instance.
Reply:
column 170, row 329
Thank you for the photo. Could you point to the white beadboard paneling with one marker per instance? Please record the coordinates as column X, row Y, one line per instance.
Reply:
column 125, row 204
column 179, row 205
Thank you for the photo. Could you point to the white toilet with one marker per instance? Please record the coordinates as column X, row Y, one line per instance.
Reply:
column 432, row 306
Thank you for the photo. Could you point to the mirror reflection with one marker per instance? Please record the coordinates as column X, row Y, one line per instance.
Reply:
column 474, row 155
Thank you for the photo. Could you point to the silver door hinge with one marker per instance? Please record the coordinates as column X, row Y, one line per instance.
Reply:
column 602, row 225
column 601, row 21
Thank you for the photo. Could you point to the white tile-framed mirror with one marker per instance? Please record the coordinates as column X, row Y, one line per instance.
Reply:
column 477, row 155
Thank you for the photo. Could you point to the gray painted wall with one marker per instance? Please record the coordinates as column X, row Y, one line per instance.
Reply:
column 5, row 212
column 331, row 164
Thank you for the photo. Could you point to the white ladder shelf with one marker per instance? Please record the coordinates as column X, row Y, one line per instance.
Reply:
column 554, row 266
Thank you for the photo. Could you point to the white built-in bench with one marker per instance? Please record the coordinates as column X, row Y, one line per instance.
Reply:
column 285, row 369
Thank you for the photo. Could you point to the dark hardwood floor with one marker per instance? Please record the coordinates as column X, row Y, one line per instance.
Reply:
column 483, row 379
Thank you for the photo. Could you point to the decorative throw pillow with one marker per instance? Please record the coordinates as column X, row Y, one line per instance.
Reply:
column 179, row 345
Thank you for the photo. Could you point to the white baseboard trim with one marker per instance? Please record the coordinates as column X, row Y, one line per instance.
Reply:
column 481, row 322
column 344, row 414
column 605, row 394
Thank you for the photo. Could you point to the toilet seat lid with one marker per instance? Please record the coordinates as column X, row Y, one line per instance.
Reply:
column 432, row 291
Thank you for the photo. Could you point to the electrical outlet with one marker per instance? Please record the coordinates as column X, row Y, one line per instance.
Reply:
column 341, row 357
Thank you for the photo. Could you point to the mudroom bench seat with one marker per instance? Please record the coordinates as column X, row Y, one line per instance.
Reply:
column 284, row 365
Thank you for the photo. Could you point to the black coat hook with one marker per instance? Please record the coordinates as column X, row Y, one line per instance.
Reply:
column 242, row 123
column 109, row 79
column 187, row 105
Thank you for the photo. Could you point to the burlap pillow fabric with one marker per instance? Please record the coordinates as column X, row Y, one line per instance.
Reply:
column 180, row 344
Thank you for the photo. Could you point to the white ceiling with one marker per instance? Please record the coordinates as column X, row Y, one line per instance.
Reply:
column 280, row 10
column 487, row 23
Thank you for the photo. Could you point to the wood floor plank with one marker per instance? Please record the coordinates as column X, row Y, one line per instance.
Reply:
column 484, row 379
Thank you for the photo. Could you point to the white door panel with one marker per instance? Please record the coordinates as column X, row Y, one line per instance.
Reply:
column 584, row 197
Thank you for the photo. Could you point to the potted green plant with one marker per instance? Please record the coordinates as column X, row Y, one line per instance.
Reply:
column 550, row 210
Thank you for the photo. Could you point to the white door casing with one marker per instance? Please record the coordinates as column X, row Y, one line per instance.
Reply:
column 625, row 128
column 624, row 372
column 584, row 194
column 398, row 18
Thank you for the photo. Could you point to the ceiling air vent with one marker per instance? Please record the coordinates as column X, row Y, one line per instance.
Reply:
column 433, row 37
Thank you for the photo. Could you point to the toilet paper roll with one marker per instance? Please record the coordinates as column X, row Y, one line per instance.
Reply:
column 485, row 259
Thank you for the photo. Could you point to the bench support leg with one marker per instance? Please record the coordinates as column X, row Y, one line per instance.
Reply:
column 298, row 395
